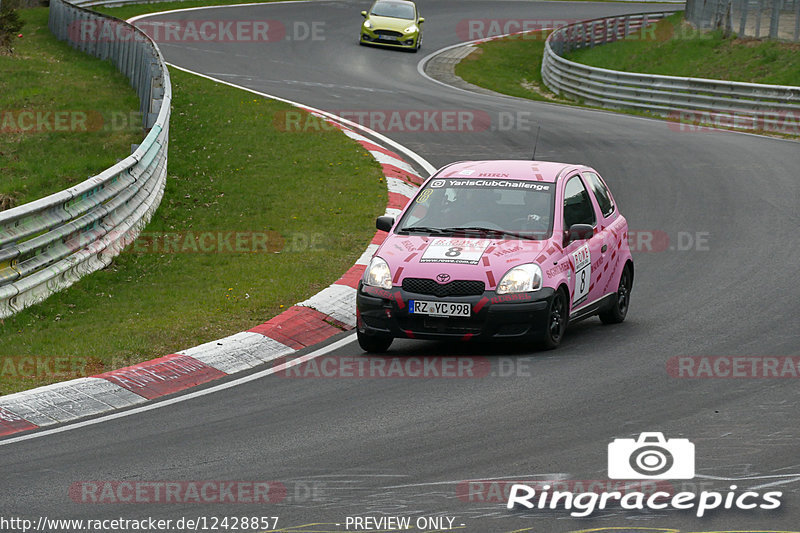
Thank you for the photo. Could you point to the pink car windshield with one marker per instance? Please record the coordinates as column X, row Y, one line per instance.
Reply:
column 517, row 207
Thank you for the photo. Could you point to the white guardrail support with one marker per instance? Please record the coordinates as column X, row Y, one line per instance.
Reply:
column 741, row 105
column 48, row 244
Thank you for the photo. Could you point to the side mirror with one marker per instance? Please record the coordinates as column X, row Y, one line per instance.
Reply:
column 384, row 223
column 421, row 20
column 580, row 232
column 364, row 14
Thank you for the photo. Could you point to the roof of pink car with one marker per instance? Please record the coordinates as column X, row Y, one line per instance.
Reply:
column 518, row 169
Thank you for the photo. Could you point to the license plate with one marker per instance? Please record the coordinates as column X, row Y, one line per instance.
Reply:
column 389, row 37
column 420, row 307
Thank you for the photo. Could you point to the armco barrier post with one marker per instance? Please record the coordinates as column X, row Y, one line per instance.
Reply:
column 775, row 19
column 797, row 20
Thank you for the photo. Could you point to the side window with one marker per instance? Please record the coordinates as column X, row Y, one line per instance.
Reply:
column 600, row 192
column 578, row 207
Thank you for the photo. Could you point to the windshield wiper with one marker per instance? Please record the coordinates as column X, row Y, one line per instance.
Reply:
column 426, row 229
column 479, row 229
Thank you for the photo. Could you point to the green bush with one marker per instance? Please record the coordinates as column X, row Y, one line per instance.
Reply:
column 10, row 24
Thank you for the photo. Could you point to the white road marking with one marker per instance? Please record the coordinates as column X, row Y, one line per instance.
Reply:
column 558, row 476
column 782, row 479
column 776, row 483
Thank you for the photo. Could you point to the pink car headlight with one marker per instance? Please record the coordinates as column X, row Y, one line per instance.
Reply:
column 378, row 274
column 522, row 278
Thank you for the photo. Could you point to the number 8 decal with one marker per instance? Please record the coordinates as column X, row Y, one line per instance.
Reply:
column 583, row 273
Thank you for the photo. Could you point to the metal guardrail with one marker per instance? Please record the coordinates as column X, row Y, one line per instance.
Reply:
column 744, row 105
column 109, row 3
column 48, row 244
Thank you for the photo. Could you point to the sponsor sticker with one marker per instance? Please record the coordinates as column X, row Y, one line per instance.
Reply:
column 583, row 273
column 497, row 184
column 459, row 251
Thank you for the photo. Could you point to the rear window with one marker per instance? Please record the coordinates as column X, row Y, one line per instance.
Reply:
column 600, row 193
column 578, row 207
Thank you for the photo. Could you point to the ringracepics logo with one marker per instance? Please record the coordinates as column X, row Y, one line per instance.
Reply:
column 649, row 457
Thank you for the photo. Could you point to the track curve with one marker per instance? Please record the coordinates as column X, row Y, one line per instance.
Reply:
column 401, row 446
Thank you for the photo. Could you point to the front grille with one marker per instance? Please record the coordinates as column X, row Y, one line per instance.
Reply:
column 388, row 33
column 454, row 288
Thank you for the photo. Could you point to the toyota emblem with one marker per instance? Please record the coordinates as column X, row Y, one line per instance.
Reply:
column 443, row 278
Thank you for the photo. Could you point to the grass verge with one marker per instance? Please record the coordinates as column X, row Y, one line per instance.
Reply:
column 43, row 103
column 674, row 48
column 302, row 204
column 512, row 65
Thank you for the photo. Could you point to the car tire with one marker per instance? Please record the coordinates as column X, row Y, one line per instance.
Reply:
column 616, row 312
column 374, row 343
column 557, row 318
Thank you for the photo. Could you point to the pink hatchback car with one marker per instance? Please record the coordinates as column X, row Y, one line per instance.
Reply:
column 498, row 249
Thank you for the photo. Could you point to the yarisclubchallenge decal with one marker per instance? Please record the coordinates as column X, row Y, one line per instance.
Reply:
column 460, row 251
column 583, row 273
column 494, row 184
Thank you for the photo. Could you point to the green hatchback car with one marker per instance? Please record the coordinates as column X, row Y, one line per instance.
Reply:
column 393, row 23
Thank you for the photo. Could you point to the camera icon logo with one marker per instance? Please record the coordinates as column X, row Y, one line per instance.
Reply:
column 651, row 457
